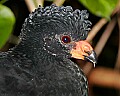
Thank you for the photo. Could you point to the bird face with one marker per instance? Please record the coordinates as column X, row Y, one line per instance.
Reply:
column 67, row 47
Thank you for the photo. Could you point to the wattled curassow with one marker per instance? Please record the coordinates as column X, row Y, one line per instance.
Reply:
column 40, row 64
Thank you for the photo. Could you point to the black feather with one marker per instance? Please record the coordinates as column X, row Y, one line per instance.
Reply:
column 40, row 65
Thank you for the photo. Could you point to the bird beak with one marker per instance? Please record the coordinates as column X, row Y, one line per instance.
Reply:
column 83, row 50
column 92, row 57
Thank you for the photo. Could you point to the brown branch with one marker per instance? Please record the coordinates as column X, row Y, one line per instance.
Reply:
column 58, row 2
column 101, row 43
column 104, row 77
column 96, row 28
column 117, row 65
column 105, row 36
column 31, row 5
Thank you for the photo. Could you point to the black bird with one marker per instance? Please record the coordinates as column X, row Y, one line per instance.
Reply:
column 40, row 64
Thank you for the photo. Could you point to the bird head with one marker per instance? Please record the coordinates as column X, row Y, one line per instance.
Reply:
column 64, row 46
column 59, row 31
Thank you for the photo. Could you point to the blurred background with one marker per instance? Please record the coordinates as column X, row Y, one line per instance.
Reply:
column 104, row 79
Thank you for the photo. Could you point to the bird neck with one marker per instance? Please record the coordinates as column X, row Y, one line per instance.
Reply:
column 38, row 59
column 37, row 55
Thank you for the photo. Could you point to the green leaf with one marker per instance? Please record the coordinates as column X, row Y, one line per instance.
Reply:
column 2, row 1
column 7, row 20
column 101, row 8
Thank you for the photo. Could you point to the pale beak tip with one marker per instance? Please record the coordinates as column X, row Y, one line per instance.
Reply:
column 92, row 58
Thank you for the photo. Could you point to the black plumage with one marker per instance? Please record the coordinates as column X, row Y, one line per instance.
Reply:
column 39, row 65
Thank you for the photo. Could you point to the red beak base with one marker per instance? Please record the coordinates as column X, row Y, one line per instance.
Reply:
column 83, row 50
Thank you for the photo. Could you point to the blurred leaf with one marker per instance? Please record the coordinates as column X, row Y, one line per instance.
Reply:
column 49, row 0
column 101, row 8
column 3, row 1
column 7, row 20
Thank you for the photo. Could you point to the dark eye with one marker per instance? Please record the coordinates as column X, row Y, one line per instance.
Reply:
column 66, row 39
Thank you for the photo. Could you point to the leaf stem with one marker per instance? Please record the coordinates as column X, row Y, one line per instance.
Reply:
column 31, row 5
column 96, row 28
column 105, row 36
column 117, row 65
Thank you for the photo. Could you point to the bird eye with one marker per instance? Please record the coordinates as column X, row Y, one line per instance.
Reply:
column 66, row 39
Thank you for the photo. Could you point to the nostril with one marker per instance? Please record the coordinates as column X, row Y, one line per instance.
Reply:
column 88, row 52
